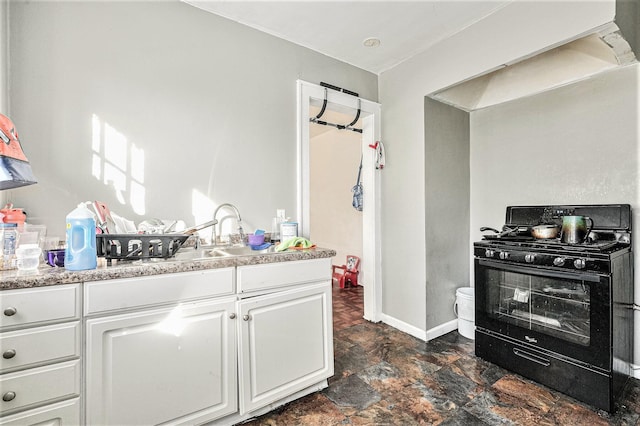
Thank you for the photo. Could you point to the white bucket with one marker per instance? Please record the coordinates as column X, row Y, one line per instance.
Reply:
column 465, row 309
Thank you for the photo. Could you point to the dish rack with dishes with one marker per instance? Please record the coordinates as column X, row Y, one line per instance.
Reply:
column 138, row 246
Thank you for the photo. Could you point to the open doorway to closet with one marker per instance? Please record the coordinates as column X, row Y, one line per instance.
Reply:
column 325, row 213
column 334, row 164
column 334, row 156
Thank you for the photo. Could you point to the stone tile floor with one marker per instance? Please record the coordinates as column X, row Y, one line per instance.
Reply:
column 386, row 377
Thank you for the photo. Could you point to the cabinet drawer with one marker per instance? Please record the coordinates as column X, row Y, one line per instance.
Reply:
column 32, row 346
column 39, row 385
column 35, row 305
column 105, row 296
column 65, row 413
column 259, row 277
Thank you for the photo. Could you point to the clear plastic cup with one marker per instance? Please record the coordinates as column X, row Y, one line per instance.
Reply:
column 28, row 257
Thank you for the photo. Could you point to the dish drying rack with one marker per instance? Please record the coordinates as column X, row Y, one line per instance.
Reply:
column 138, row 246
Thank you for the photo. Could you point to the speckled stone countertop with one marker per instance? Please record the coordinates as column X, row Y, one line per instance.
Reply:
column 46, row 275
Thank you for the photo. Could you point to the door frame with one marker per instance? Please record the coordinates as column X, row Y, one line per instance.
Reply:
column 371, row 242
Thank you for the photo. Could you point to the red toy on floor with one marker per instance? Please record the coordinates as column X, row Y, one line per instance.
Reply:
column 347, row 274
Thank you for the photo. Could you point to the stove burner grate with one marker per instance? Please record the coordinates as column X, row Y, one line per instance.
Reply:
column 556, row 244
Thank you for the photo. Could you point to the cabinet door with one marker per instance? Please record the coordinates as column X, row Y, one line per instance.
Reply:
column 173, row 365
column 286, row 344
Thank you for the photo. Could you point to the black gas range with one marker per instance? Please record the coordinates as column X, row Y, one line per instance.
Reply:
column 559, row 313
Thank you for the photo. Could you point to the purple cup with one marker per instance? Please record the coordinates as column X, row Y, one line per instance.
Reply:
column 255, row 240
column 55, row 257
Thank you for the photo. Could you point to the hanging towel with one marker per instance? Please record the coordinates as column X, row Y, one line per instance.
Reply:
column 379, row 155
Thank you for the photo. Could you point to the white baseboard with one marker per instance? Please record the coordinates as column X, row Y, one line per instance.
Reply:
column 404, row 327
column 418, row 333
column 635, row 371
column 442, row 329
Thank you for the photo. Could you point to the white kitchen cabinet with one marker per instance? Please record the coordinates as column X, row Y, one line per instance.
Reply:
column 35, row 306
column 65, row 413
column 40, row 345
column 174, row 364
column 286, row 343
column 272, row 276
column 38, row 386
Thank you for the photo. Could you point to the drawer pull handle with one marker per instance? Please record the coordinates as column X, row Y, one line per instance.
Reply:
column 232, row 316
column 10, row 311
column 8, row 396
column 531, row 357
column 9, row 353
column 246, row 317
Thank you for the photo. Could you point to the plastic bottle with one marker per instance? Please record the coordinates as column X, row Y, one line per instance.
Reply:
column 8, row 234
column 80, row 253
column 275, row 226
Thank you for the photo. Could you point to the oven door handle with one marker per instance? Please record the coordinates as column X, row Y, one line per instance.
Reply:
column 531, row 357
column 543, row 273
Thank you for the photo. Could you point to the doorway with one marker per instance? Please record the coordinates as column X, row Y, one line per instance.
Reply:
column 311, row 96
column 334, row 156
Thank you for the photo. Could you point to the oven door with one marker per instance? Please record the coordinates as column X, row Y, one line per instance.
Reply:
column 567, row 313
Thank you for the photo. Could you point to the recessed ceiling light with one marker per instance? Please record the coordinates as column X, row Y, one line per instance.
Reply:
column 371, row 42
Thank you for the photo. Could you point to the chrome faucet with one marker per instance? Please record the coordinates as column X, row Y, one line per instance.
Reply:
column 238, row 218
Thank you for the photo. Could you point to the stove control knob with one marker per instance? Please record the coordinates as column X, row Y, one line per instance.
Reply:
column 559, row 261
column 489, row 253
column 504, row 255
column 530, row 258
column 580, row 263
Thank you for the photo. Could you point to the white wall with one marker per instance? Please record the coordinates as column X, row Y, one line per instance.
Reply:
column 334, row 161
column 209, row 104
column 3, row 57
column 515, row 31
column 3, row 68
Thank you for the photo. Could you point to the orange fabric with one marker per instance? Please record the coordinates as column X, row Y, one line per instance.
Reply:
column 301, row 248
column 9, row 142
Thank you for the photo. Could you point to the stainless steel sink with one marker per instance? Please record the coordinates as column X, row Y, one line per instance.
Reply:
column 209, row 252
column 200, row 254
column 243, row 251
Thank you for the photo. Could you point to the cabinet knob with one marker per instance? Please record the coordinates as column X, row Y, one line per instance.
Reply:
column 246, row 317
column 9, row 353
column 8, row 396
column 10, row 311
column 232, row 316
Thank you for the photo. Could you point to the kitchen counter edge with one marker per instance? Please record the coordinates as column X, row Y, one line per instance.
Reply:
column 48, row 276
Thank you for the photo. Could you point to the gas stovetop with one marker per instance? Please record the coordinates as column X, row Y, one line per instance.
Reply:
column 611, row 234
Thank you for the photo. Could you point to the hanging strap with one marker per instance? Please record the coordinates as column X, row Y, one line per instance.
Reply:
column 359, row 171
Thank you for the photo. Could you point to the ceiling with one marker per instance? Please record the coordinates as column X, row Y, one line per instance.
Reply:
column 565, row 64
column 338, row 28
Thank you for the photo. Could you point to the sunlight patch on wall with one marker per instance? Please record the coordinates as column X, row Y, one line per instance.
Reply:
column 119, row 164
